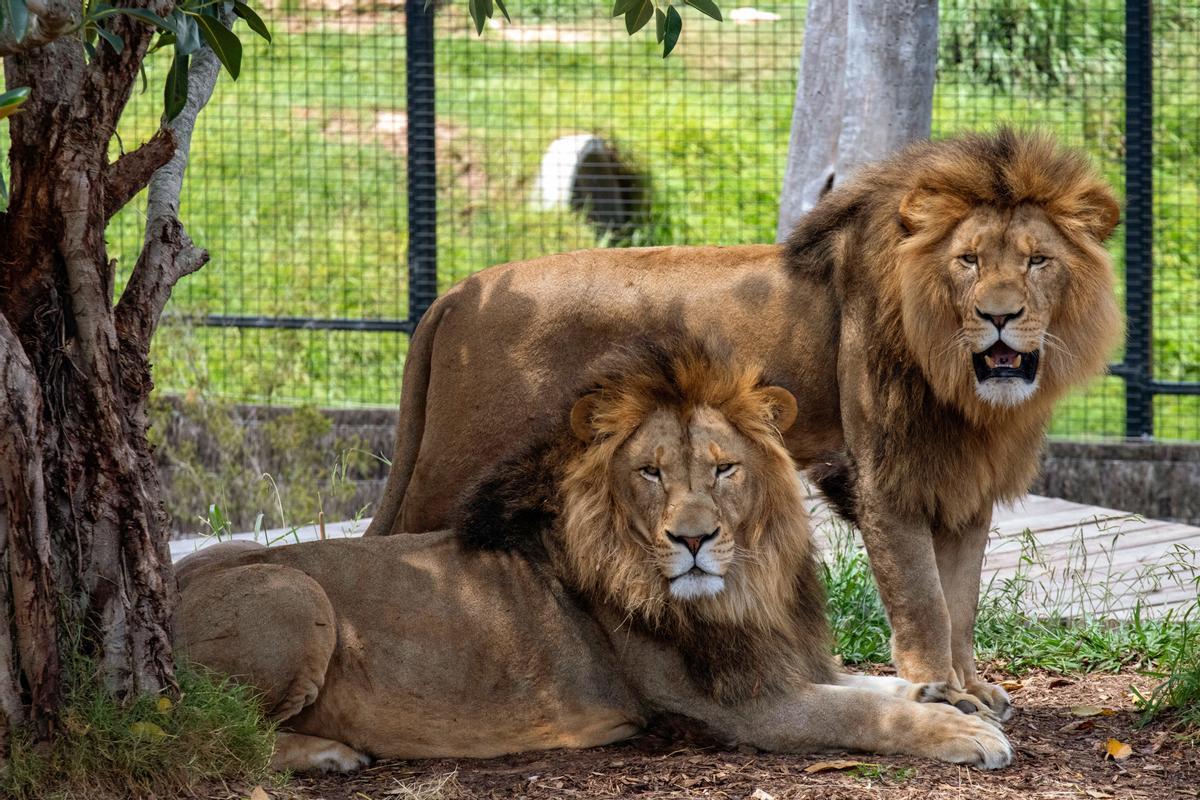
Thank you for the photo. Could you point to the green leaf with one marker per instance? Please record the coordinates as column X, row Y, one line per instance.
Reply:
column 660, row 24
column 165, row 39
column 674, row 26
column 503, row 10
column 707, row 7
column 90, row 49
column 637, row 17
column 10, row 101
column 3, row 193
column 256, row 24
column 18, row 18
column 176, row 91
column 139, row 13
column 223, row 41
column 621, row 6
column 114, row 41
column 476, row 9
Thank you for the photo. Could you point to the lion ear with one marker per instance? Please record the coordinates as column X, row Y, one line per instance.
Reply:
column 924, row 208
column 581, row 417
column 783, row 406
column 1097, row 212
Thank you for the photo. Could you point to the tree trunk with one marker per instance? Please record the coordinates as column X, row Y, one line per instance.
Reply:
column 83, row 534
column 865, row 90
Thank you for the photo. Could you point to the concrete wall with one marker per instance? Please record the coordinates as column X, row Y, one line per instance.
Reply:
column 1156, row 480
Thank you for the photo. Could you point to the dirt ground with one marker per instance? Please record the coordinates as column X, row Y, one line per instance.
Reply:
column 1061, row 731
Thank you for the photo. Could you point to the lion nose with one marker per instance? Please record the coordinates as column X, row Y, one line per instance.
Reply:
column 693, row 543
column 999, row 320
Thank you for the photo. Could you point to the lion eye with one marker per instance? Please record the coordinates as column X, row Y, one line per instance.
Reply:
column 650, row 473
column 969, row 258
column 725, row 470
column 1037, row 261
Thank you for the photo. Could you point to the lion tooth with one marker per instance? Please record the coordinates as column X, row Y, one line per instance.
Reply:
column 991, row 362
column 1017, row 362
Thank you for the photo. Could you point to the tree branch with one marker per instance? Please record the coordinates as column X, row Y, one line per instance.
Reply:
column 131, row 173
column 168, row 253
column 48, row 20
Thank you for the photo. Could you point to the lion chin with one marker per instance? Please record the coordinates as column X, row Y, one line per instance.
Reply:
column 696, row 583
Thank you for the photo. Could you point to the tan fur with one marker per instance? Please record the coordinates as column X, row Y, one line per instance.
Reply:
column 866, row 317
column 457, row 644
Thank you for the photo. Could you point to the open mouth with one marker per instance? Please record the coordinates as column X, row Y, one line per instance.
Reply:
column 1001, row 361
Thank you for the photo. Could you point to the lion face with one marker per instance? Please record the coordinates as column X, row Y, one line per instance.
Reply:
column 1009, row 272
column 686, row 481
column 689, row 496
column 1005, row 304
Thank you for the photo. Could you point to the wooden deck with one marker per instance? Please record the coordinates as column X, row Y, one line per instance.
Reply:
column 1070, row 559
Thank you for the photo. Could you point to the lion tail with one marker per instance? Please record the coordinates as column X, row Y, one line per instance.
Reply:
column 837, row 479
column 410, row 428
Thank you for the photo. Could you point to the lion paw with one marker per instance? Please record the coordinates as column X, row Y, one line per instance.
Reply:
column 969, row 739
column 994, row 696
column 964, row 701
column 300, row 753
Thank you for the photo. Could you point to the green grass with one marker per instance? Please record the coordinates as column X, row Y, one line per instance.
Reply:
column 214, row 731
column 300, row 195
column 1021, row 628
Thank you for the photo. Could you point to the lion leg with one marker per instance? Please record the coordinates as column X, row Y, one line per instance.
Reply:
column 905, row 568
column 266, row 625
column 300, row 753
column 855, row 718
column 960, row 563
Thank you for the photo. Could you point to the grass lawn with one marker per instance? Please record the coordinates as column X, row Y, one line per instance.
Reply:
column 297, row 185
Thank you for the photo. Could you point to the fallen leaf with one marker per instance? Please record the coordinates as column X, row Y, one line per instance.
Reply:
column 829, row 766
column 148, row 731
column 1012, row 686
column 1116, row 750
column 1077, row 725
column 259, row 793
column 1158, row 741
column 164, row 705
column 1091, row 711
column 1057, row 682
column 759, row 794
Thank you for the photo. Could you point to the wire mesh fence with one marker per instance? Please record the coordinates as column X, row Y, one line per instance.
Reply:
column 299, row 186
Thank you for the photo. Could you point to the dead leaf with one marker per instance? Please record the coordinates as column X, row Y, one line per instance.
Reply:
column 1012, row 686
column 1091, row 711
column 1057, row 682
column 259, row 793
column 148, row 731
column 759, row 794
column 1117, row 750
column 1158, row 741
column 829, row 766
column 1077, row 725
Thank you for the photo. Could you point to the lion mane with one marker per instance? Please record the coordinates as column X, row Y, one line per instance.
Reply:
column 556, row 503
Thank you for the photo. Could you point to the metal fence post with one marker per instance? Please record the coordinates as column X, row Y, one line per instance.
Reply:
column 422, row 159
column 1139, row 218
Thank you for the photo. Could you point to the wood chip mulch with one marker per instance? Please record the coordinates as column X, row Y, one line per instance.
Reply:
column 1061, row 733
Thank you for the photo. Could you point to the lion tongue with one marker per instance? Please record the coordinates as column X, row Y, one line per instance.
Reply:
column 1001, row 355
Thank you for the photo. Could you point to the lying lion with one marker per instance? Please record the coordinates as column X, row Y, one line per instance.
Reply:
column 659, row 564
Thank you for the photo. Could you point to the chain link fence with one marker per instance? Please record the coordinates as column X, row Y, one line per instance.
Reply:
column 299, row 184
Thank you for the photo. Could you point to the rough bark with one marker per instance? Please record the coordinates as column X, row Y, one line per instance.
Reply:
column 865, row 90
column 82, row 531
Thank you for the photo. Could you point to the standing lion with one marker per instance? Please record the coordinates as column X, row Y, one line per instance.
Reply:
column 927, row 315
column 653, row 560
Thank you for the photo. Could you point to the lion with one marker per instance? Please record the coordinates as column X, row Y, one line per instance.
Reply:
column 927, row 315
column 655, row 561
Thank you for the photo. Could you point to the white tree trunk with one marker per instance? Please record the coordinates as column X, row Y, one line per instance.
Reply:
column 865, row 90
